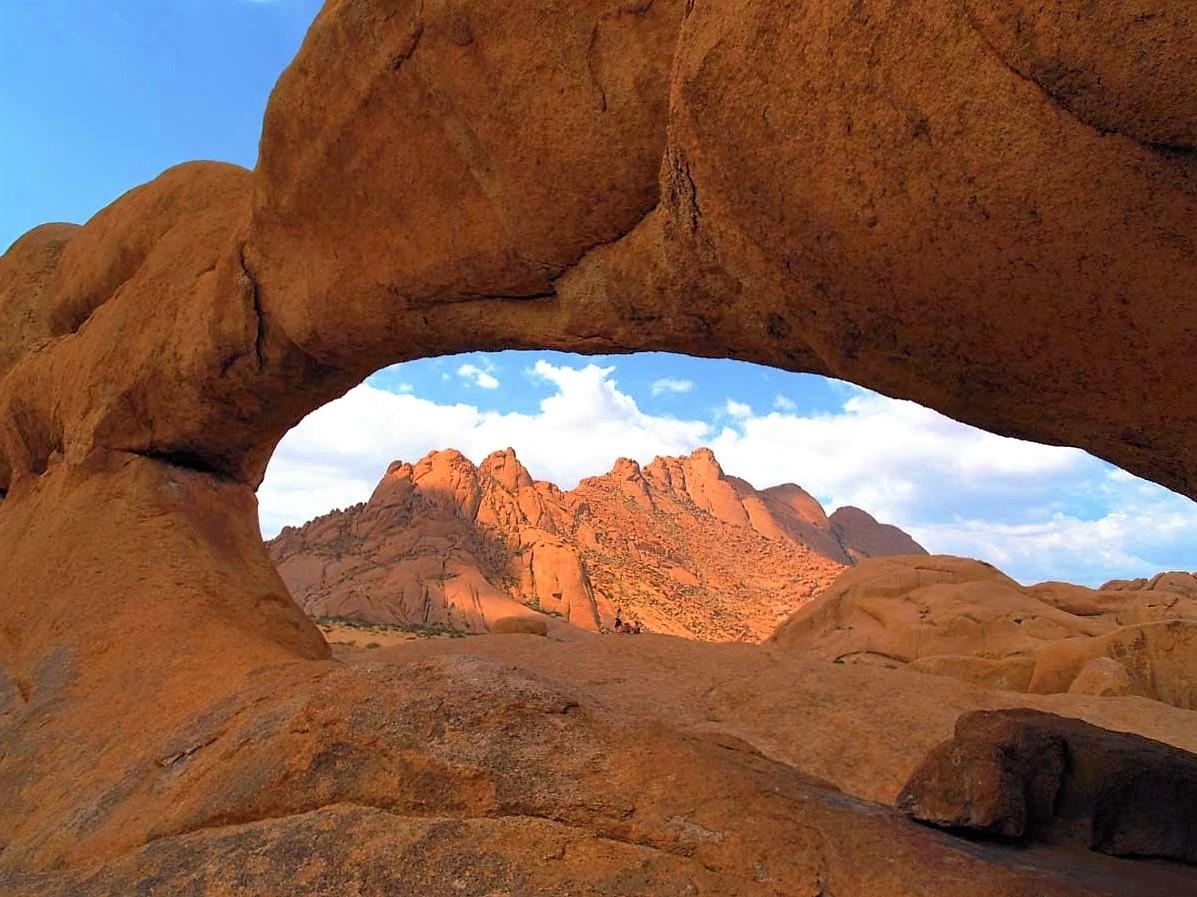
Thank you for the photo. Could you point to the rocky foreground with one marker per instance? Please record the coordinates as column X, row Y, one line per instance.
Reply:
column 962, row 618
column 609, row 765
column 679, row 544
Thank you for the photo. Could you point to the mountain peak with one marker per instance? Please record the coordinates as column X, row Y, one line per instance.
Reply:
column 864, row 537
column 626, row 468
column 505, row 468
column 678, row 543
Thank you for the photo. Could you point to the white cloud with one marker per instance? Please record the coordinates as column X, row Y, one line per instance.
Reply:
column 782, row 403
column 881, row 454
column 672, row 385
column 478, row 376
column 1138, row 539
column 1036, row 511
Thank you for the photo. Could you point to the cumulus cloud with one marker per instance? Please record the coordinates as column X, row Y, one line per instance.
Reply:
column 480, row 377
column 1037, row 511
column 782, row 403
column 671, row 385
column 883, row 455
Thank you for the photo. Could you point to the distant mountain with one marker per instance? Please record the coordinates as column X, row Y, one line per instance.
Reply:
column 863, row 537
column 678, row 544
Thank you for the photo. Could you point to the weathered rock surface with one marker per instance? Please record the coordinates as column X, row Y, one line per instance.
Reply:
column 891, row 611
column 887, row 193
column 519, row 626
column 1023, row 773
column 462, row 756
column 679, row 545
column 1159, row 660
column 962, row 618
column 1101, row 676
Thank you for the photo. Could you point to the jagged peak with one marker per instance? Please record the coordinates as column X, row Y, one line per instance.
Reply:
column 503, row 454
column 445, row 456
column 397, row 468
column 505, row 467
column 626, row 467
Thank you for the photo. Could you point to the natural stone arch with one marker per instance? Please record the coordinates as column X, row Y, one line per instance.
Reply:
column 905, row 195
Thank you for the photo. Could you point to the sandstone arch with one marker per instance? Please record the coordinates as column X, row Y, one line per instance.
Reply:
column 906, row 195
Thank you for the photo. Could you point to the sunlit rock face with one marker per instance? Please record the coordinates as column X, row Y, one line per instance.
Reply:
column 679, row 545
column 914, row 197
column 962, row 618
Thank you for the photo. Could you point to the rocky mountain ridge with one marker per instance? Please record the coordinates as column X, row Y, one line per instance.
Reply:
column 677, row 543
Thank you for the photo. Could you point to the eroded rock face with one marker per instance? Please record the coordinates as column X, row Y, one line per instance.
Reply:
column 934, row 240
column 1158, row 660
column 986, row 210
column 956, row 617
column 892, row 611
column 679, row 545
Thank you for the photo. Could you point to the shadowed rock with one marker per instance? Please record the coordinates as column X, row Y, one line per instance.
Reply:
column 1022, row 773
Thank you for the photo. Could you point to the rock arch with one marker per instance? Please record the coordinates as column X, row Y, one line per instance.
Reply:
column 933, row 199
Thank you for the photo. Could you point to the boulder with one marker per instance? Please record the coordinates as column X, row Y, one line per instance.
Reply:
column 1028, row 774
column 983, row 786
column 1103, row 677
column 957, row 617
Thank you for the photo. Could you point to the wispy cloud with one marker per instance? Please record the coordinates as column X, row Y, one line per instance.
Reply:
column 671, row 385
column 484, row 379
column 741, row 410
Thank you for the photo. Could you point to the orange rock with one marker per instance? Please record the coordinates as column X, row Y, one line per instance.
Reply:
column 891, row 611
column 864, row 537
column 443, row 542
column 955, row 617
column 1012, row 673
column 1159, row 661
column 1102, row 676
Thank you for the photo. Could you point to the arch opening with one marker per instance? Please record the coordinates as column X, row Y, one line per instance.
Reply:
column 443, row 428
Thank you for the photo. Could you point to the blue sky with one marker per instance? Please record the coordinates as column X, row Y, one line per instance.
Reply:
column 99, row 97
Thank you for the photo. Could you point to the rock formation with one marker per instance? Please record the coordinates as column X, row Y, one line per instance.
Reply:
column 863, row 537
column 679, row 545
column 1025, row 774
column 957, row 617
column 986, row 208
